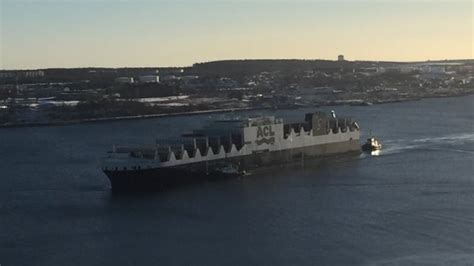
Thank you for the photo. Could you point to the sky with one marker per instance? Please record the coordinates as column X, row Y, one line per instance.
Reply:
column 119, row 33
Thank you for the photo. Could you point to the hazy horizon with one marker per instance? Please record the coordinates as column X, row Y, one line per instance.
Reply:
column 232, row 59
column 68, row 34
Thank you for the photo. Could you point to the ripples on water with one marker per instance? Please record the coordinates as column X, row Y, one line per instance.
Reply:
column 443, row 143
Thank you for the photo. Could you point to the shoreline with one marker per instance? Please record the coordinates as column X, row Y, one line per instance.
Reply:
column 227, row 110
column 131, row 117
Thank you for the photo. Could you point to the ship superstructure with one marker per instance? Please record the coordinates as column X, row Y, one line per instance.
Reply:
column 245, row 143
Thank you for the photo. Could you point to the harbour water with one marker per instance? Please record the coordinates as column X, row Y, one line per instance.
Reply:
column 412, row 203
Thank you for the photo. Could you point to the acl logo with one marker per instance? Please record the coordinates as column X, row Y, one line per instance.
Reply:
column 266, row 135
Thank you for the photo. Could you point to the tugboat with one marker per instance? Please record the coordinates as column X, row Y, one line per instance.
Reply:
column 372, row 144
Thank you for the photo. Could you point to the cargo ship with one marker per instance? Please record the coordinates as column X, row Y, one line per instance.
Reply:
column 238, row 144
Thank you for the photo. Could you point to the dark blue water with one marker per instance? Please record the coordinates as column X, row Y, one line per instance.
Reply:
column 412, row 204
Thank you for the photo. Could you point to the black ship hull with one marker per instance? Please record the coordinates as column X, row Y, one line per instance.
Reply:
column 155, row 179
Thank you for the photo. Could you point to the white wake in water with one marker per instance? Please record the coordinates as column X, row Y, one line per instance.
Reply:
column 444, row 143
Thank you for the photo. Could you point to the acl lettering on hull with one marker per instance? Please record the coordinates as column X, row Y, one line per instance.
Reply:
column 263, row 137
column 265, row 134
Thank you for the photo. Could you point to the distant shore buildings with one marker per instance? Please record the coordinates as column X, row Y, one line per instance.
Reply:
column 141, row 79
column 22, row 74
column 149, row 79
column 125, row 80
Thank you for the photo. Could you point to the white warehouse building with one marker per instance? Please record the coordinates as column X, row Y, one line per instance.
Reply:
column 127, row 80
column 149, row 79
